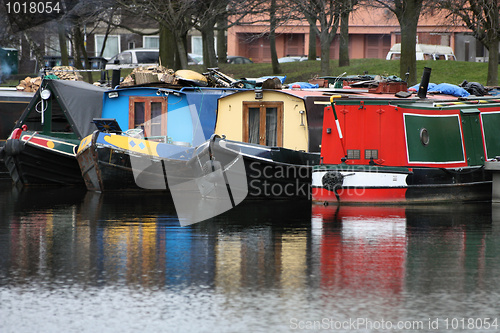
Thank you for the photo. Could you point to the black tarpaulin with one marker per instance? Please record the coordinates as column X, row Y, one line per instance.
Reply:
column 81, row 102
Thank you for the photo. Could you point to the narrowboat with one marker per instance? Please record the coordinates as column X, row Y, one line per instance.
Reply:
column 411, row 150
column 41, row 149
column 141, row 126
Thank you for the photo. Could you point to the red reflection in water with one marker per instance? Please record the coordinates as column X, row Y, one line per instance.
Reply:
column 362, row 247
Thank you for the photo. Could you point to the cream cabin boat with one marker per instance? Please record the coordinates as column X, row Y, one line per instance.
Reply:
column 277, row 133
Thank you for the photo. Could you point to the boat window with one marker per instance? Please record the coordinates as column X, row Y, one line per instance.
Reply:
column 371, row 153
column 139, row 115
column 149, row 114
column 156, row 118
column 253, row 125
column 424, row 136
column 271, row 126
column 263, row 123
column 353, row 154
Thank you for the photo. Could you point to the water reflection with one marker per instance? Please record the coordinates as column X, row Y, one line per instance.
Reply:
column 286, row 258
column 136, row 239
column 361, row 248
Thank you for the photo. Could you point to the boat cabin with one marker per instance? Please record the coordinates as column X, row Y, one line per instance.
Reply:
column 63, row 109
column 438, row 134
column 186, row 116
column 282, row 118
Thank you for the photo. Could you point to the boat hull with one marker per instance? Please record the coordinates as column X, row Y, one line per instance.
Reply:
column 386, row 185
column 39, row 160
column 270, row 172
column 115, row 163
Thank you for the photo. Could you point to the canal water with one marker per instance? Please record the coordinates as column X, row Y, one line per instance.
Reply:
column 76, row 261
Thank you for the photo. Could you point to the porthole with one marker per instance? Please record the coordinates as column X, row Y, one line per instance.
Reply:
column 424, row 136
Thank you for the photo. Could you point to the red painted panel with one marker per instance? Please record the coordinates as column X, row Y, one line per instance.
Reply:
column 360, row 195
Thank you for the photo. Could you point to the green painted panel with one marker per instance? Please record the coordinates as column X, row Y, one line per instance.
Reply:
column 491, row 127
column 444, row 143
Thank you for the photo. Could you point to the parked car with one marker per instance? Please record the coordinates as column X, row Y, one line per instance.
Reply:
column 424, row 52
column 143, row 57
column 292, row 59
column 238, row 60
column 134, row 58
column 195, row 59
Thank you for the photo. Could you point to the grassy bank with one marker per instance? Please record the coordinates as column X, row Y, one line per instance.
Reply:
column 442, row 71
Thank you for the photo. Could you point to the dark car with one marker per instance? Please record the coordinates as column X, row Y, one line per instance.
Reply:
column 238, row 60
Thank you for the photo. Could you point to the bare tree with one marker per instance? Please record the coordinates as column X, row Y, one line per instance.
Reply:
column 327, row 14
column 208, row 13
column 177, row 17
column 482, row 17
column 407, row 12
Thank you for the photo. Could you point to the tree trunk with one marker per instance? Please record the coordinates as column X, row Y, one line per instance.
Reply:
column 312, row 55
column 492, row 79
column 82, row 53
column 181, row 58
column 344, row 39
column 272, row 38
column 325, row 41
column 63, row 45
column 208, row 38
column 221, row 38
column 76, row 48
column 408, row 20
column 167, row 47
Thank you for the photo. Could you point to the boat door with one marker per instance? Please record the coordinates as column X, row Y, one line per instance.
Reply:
column 473, row 137
column 263, row 123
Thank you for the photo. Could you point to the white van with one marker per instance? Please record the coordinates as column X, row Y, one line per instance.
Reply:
column 138, row 57
column 424, row 52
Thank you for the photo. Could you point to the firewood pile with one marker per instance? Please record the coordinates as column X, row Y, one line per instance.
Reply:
column 150, row 74
column 29, row 84
column 68, row 73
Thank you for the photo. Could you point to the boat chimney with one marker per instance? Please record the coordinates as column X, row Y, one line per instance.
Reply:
column 115, row 79
column 424, row 83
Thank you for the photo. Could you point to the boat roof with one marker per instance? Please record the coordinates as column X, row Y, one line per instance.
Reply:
column 357, row 94
column 12, row 94
column 80, row 101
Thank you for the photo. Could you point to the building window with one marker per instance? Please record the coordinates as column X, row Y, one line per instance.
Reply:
column 151, row 42
column 111, row 48
column 53, row 48
column 263, row 123
column 197, row 45
column 149, row 114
